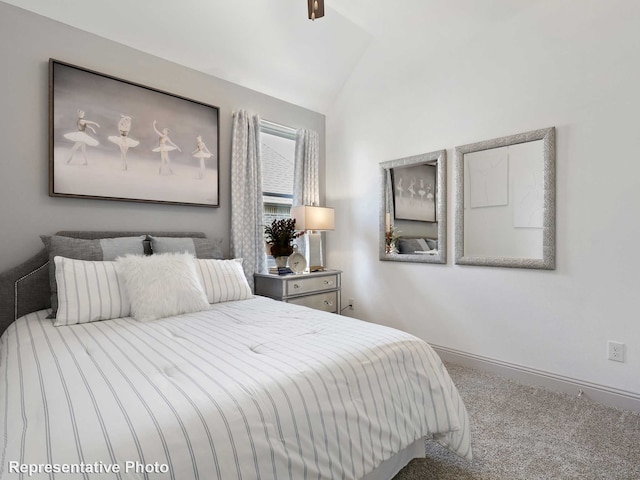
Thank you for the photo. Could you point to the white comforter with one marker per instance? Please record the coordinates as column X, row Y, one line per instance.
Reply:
column 256, row 389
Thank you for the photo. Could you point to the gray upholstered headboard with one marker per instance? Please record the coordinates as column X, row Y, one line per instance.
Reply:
column 25, row 288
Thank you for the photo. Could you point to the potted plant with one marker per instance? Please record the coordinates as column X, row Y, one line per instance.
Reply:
column 280, row 236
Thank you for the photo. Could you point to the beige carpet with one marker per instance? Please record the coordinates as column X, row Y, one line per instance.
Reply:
column 528, row 433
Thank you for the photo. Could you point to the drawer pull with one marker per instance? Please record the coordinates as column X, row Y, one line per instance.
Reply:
column 329, row 303
column 295, row 285
column 328, row 282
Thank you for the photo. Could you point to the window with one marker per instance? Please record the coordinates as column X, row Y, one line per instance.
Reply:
column 278, row 145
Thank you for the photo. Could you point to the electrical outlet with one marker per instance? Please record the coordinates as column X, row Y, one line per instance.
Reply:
column 616, row 351
column 351, row 304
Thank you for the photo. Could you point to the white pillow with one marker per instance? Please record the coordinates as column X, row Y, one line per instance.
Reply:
column 88, row 291
column 223, row 280
column 162, row 285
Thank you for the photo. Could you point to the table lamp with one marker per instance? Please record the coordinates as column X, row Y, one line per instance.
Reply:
column 313, row 219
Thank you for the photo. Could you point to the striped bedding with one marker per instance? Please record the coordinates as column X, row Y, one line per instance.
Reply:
column 253, row 389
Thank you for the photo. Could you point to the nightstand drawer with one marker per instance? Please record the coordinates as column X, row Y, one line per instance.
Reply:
column 321, row 301
column 319, row 290
column 300, row 286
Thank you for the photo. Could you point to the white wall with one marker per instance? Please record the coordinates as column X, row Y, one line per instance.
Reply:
column 27, row 41
column 571, row 64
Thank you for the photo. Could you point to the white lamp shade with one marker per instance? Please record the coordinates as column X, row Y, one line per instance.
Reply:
column 313, row 218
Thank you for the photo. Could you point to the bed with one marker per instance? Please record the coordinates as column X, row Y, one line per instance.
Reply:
column 248, row 389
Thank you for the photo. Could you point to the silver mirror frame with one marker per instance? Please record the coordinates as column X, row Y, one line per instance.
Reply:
column 440, row 158
column 548, row 260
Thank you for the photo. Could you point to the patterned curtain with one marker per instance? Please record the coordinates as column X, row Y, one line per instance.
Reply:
column 306, row 189
column 247, row 231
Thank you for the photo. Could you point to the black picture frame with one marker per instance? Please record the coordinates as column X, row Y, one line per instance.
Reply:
column 414, row 192
column 113, row 139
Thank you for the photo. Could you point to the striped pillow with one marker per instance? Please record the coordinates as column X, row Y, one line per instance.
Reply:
column 82, row 249
column 89, row 291
column 223, row 280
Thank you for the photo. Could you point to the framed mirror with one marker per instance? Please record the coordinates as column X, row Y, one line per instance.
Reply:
column 413, row 209
column 505, row 201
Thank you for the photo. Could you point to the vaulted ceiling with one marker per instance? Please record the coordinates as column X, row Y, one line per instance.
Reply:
column 270, row 45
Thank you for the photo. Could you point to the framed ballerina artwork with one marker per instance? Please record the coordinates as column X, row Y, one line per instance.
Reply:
column 414, row 192
column 117, row 140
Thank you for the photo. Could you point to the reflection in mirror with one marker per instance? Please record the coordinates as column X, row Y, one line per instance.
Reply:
column 505, row 209
column 413, row 213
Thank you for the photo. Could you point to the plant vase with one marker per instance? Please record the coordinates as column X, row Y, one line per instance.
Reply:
column 281, row 254
column 281, row 262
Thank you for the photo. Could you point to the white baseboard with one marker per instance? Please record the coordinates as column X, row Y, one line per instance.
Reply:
column 604, row 394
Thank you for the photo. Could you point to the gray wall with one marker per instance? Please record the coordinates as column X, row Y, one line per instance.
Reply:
column 27, row 41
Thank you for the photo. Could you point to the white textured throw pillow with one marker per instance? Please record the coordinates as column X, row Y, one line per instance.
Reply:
column 89, row 291
column 162, row 285
column 224, row 280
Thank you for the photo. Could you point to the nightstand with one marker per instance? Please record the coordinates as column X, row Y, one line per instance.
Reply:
column 319, row 290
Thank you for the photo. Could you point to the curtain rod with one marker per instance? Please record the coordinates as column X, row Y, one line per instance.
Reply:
column 275, row 127
column 278, row 126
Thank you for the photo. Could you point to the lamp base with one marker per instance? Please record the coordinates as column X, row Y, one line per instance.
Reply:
column 313, row 251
